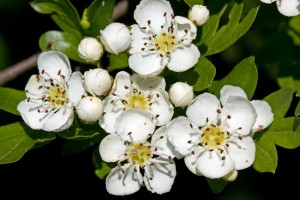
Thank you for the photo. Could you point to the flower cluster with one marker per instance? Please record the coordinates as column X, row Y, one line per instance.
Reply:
column 136, row 110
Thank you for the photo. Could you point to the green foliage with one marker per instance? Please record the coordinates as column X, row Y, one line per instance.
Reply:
column 216, row 185
column 194, row 2
column 10, row 98
column 117, row 62
column 290, row 82
column 101, row 168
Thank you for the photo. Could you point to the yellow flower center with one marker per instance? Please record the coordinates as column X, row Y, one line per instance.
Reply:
column 165, row 42
column 140, row 154
column 137, row 101
column 56, row 96
column 213, row 136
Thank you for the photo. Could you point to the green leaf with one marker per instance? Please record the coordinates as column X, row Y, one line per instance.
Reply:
column 101, row 168
column 216, row 185
column 297, row 111
column 243, row 75
column 41, row 137
column 229, row 33
column 62, row 12
column 10, row 98
column 97, row 16
column 280, row 101
column 194, row 2
column 14, row 142
column 266, row 155
column 289, row 82
column 61, row 41
column 117, row 62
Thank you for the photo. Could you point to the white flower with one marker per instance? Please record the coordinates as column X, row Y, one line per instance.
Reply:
column 181, row 94
column 115, row 38
column 288, row 8
column 97, row 81
column 145, row 93
column 89, row 109
column 139, row 160
column 90, row 49
column 160, row 39
column 52, row 95
column 198, row 14
column 215, row 139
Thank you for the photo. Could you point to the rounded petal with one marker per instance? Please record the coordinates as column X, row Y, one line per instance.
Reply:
column 159, row 12
column 239, row 115
column 122, row 84
column 242, row 152
column 183, row 134
column 147, row 65
column 138, row 39
column 111, row 148
column 160, row 176
column 34, row 87
column 185, row 29
column 134, row 125
column 211, row 165
column 31, row 116
column 76, row 89
column 184, row 58
column 164, row 147
column 97, row 81
column 190, row 160
column 230, row 90
column 61, row 120
column 289, row 8
column 268, row 1
column 123, row 181
column 89, row 109
column 53, row 63
column 162, row 109
column 264, row 115
column 231, row 176
column 149, row 83
column 204, row 107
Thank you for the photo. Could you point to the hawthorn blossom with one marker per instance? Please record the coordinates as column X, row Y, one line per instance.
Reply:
column 215, row 137
column 288, row 8
column 52, row 94
column 198, row 14
column 141, row 160
column 145, row 93
column 160, row 39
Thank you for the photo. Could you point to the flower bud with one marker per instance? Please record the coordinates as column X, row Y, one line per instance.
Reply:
column 181, row 94
column 90, row 49
column 115, row 38
column 97, row 81
column 198, row 14
column 89, row 109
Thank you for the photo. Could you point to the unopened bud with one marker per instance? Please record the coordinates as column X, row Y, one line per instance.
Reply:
column 97, row 81
column 181, row 94
column 198, row 14
column 90, row 49
column 115, row 38
column 89, row 109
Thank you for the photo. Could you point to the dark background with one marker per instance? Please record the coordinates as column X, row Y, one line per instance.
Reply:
column 45, row 172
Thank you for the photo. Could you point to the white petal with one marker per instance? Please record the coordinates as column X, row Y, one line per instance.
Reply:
column 211, row 165
column 289, row 7
column 60, row 120
column 160, row 177
column 190, row 160
column 264, row 115
column 110, row 114
column 54, row 62
column 76, row 89
column 31, row 116
column 112, row 148
column 134, row 125
column 164, row 147
column 184, row 58
column 138, row 39
column 229, row 90
column 34, row 87
column 119, row 183
column 183, row 134
column 203, row 107
column 242, row 152
column 154, row 11
column 183, row 25
column 149, row 83
column 162, row 109
column 122, row 84
column 148, row 65
column 268, row 1
column 241, row 113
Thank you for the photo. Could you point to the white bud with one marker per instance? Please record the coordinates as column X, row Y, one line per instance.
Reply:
column 97, row 81
column 89, row 109
column 198, row 14
column 90, row 49
column 288, row 8
column 115, row 38
column 181, row 94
